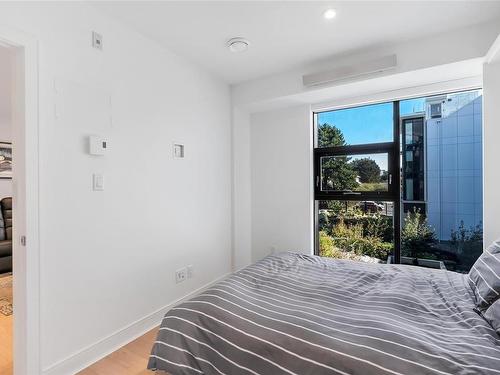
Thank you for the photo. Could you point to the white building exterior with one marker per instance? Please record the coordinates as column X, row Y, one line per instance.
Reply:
column 454, row 190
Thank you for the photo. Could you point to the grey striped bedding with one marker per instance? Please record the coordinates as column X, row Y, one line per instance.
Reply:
column 492, row 315
column 484, row 277
column 297, row 314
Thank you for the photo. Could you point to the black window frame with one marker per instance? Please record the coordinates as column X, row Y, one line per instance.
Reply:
column 392, row 149
column 376, row 148
column 407, row 147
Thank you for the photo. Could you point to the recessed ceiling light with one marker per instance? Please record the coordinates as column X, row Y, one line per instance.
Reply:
column 238, row 44
column 330, row 14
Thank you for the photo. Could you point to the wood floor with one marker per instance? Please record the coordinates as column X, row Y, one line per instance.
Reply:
column 6, row 330
column 6, row 344
column 129, row 360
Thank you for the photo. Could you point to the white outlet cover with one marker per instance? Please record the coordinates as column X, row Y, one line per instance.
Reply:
column 180, row 275
column 97, row 182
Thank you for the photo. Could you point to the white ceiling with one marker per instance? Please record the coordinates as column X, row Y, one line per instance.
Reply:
column 286, row 35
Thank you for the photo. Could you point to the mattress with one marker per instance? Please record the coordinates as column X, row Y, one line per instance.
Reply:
column 292, row 313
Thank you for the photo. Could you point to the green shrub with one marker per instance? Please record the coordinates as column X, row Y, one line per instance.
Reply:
column 327, row 247
column 416, row 235
column 468, row 243
column 372, row 186
column 355, row 239
column 353, row 249
column 374, row 225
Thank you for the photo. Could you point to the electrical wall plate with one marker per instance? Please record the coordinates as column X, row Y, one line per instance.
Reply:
column 97, row 145
column 180, row 275
column 178, row 151
column 97, row 40
column 97, row 182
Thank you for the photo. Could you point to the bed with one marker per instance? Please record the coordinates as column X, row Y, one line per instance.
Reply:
column 292, row 313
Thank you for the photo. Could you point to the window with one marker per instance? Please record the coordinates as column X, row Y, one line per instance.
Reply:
column 445, row 178
column 356, row 230
column 401, row 181
column 354, row 173
column 356, row 183
column 413, row 161
column 356, row 126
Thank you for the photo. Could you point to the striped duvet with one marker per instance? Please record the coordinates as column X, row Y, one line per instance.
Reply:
column 297, row 314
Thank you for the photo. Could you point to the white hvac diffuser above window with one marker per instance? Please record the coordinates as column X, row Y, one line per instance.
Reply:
column 352, row 71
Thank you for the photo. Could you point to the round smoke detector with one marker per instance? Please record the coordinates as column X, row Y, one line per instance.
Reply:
column 237, row 45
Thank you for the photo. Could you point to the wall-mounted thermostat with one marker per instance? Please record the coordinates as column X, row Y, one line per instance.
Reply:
column 97, row 145
column 178, row 151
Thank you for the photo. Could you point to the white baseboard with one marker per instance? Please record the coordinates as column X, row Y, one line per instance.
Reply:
column 92, row 353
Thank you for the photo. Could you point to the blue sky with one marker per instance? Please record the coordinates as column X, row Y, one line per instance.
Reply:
column 369, row 124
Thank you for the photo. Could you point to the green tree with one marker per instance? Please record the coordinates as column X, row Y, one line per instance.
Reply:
column 367, row 170
column 330, row 136
column 337, row 173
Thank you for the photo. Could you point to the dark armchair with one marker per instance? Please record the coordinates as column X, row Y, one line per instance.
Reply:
column 6, row 235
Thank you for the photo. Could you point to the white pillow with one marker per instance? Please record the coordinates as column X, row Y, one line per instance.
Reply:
column 492, row 315
column 484, row 277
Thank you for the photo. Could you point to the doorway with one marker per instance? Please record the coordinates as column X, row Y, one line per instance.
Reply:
column 6, row 217
column 22, row 348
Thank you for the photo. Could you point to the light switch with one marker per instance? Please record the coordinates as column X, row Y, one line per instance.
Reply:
column 178, row 151
column 98, row 182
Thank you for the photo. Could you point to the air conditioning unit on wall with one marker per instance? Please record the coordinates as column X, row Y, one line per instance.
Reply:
column 352, row 71
column 435, row 110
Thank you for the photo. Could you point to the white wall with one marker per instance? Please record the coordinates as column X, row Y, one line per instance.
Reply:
column 5, row 110
column 242, row 210
column 281, row 197
column 5, row 94
column 108, row 258
column 491, row 151
column 5, row 188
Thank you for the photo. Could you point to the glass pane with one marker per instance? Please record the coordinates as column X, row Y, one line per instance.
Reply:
column 355, row 172
column 355, row 126
column 362, row 231
column 442, row 177
column 413, row 158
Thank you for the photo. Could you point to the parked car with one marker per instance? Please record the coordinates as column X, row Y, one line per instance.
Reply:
column 371, row 206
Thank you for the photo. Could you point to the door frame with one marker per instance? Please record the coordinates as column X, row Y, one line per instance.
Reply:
column 25, row 184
